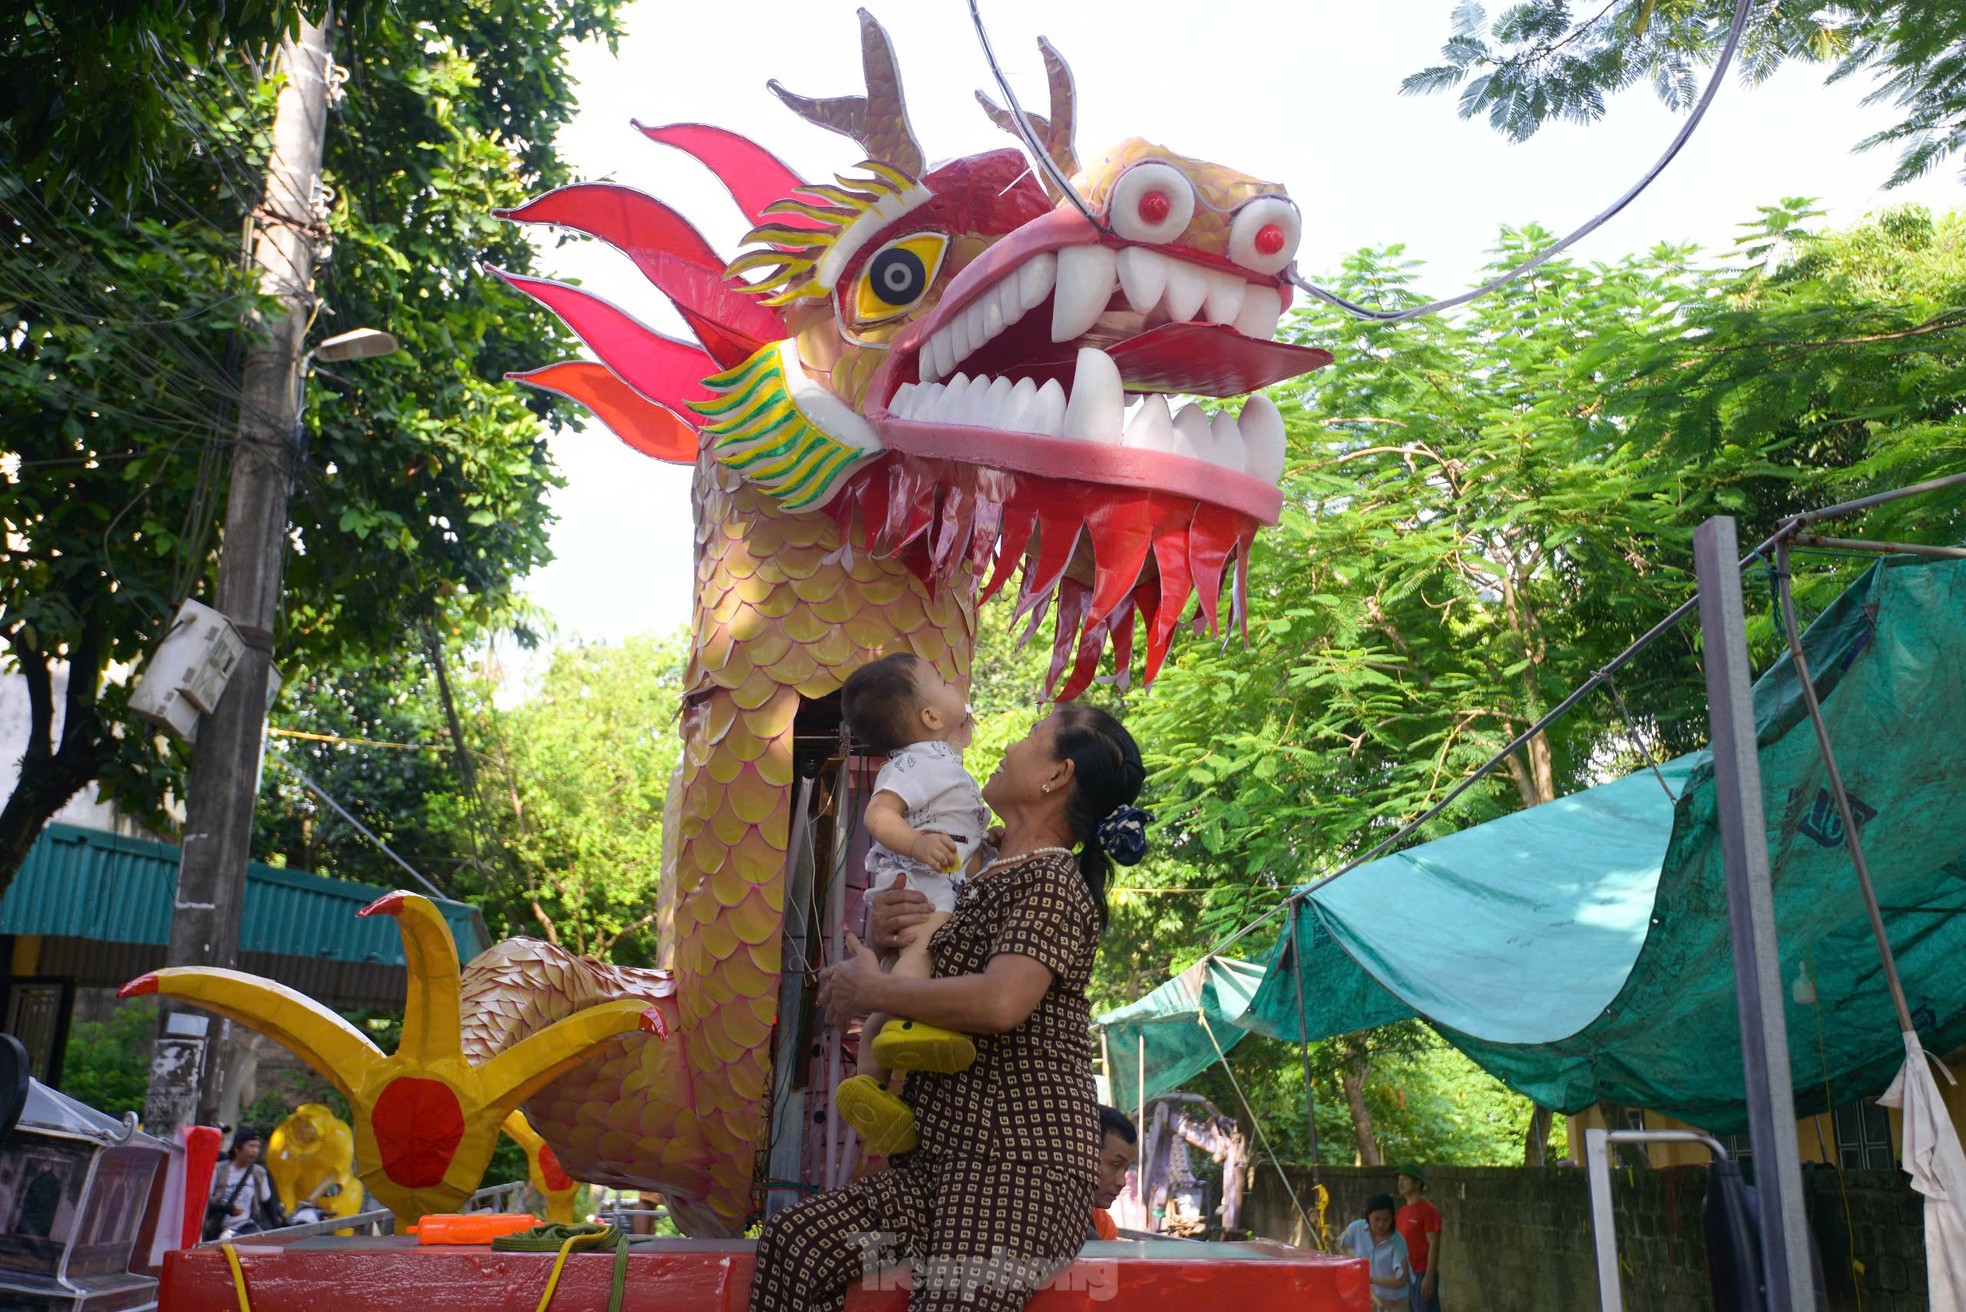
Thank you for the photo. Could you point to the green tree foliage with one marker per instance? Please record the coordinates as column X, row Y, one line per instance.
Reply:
column 572, row 786
column 107, row 1062
column 1481, row 511
column 1541, row 60
column 419, row 496
column 550, row 818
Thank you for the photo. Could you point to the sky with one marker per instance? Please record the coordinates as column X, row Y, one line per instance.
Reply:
column 1304, row 93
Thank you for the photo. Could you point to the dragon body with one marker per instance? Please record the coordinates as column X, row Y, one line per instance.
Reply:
column 918, row 385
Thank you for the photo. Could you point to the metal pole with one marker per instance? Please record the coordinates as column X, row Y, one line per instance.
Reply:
column 785, row 1152
column 225, row 764
column 1604, row 1234
column 1751, row 922
column 1851, row 839
column 1304, row 1039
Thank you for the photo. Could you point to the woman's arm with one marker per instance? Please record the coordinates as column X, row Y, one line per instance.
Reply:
column 994, row 1002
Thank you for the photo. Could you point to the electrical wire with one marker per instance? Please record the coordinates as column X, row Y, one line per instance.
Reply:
column 1025, row 132
column 1685, row 133
column 1043, row 159
column 360, row 828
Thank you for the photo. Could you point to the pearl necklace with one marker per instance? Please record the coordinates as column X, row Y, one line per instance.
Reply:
column 1024, row 856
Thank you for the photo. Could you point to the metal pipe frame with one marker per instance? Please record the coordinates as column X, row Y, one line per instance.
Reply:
column 1604, row 1234
column 1851, row 840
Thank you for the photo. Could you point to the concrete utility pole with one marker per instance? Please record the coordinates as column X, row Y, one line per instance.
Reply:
column 185, row 1065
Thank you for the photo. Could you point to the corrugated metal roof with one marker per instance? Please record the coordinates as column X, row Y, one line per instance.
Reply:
column 85, row 883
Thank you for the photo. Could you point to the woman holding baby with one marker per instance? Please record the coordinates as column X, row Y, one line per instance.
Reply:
column 992, row 1199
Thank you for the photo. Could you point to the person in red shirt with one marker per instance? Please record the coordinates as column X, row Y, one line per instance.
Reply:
column 1418, row 1222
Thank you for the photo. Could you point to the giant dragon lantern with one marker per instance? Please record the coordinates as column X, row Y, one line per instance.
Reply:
column 919, row 383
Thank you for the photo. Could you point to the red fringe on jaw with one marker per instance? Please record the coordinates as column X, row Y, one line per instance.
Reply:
column 1150, row 552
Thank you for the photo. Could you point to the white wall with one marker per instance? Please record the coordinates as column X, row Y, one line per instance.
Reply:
column 85, row 808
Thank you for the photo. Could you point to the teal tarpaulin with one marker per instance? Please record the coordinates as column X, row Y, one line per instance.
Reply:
column 1169, row 1022
column 1579, row 950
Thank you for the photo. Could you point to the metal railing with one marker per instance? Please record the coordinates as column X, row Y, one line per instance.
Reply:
column 381, row 1221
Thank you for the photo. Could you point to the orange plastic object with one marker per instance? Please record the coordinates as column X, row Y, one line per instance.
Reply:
column 472, row 1228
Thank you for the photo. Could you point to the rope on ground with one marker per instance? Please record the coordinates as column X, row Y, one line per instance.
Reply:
column 1310, row 1227
column 565, row 1238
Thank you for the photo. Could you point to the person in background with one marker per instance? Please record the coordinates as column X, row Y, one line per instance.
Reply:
column 241, row 1190
column 1373, row 1238
column 1119, row 1150
column 1418, row 1224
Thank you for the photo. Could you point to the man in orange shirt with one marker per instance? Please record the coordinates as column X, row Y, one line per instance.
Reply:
column 1119, row 1150
column 1419, row 1223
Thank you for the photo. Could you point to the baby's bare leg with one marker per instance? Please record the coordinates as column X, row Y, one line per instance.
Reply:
column 912, row 961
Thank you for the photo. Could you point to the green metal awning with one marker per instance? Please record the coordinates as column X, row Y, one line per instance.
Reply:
column 113, row 894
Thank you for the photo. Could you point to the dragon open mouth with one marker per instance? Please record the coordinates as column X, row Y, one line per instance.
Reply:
column 1059, row 350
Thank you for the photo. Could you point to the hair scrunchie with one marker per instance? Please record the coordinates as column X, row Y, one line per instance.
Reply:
column 1123, row 834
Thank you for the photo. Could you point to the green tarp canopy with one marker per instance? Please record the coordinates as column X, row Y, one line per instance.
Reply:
column 1579, row 950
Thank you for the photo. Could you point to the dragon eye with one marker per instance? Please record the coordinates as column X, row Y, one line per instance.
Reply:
column 898, row 275
column 1151, row 202
column 1264, row 235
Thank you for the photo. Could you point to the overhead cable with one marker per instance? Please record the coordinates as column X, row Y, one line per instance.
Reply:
column 1542, row 257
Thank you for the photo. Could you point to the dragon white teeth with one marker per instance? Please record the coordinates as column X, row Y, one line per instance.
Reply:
column 1262, row 436
column 1261, row 308
column 1098, row 399
column 1098, row 411
column 1035, row 279
column 1225, row 447
column 1010, row 302
column 1051, row 408
column 1085, row 284
column 1225, row 297
column 1023, row 411
column 1152, row 427
column 1187, row 288
column 1143, row 277
column 1081, row 281
column 1192, row 434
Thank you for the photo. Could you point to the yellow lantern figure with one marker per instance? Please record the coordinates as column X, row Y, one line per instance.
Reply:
column 426, row 1118
column 543, row 1171
column 310, row 1151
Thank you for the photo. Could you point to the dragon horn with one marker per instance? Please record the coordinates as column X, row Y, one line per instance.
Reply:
column 517, row 1073
column 877, row 120
column 334, row 1048
column 1055, row 132
column 432, row 1027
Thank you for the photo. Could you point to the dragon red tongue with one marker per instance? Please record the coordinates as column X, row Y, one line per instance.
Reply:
column 1208, row 359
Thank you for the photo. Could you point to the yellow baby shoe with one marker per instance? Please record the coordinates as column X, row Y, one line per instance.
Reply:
column 885, row 1123
column 909, row 1045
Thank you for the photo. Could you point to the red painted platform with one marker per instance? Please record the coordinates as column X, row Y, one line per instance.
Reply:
column 690, row 1275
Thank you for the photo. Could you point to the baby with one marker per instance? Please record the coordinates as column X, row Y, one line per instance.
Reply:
column 928, row 819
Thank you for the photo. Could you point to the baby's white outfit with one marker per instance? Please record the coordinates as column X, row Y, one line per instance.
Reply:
column 939, row 797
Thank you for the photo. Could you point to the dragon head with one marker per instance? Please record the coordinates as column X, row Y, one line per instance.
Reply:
column 965, row 366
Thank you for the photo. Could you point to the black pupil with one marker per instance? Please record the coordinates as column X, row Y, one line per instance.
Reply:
column 899, row 276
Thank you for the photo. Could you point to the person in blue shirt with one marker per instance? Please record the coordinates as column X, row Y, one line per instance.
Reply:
column 1373, row 1238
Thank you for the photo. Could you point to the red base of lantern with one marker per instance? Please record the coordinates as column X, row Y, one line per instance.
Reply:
column 688, row 1275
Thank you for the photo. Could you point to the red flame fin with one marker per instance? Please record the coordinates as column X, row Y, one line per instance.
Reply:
column 672, row 255
column 661, row 368
column 752, row 175
column 652, row 429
